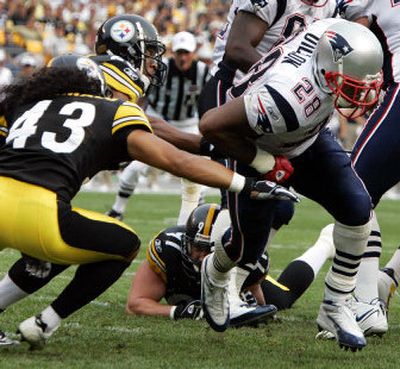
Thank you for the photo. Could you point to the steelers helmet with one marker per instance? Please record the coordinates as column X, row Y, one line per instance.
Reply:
column 134, row 39
column 199, row 227
column 348, row 63
column 73, row 61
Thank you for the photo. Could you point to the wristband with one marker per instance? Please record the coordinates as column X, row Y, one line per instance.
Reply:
column 172, row 312
column 263, row 162
column 237, row 184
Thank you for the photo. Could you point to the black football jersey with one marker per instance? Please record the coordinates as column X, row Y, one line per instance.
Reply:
column 58, row 143
column 165, row 257
column 182, row 278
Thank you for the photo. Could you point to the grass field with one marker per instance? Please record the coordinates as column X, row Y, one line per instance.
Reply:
column 102, row 336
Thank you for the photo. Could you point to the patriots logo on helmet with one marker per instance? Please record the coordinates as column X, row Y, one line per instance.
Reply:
column 340, row 47
column 122, row 31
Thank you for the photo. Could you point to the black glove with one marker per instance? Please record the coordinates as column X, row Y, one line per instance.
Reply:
column 267, row 190
column 191, row 310
column 208, row 149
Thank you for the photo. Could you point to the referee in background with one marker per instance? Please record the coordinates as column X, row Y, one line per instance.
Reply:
column 176, row 102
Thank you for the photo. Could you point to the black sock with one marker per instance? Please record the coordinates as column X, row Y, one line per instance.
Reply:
column 89, row 282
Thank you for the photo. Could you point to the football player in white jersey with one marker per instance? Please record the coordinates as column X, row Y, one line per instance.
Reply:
column 375, row 148
column 280, row 108
column 253, row 27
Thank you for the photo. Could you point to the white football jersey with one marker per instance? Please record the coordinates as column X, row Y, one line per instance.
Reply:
column 385, row 17
column 284, row 104
column 284, row 17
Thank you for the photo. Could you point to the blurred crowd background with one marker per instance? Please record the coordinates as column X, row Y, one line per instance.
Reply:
column 32, row 32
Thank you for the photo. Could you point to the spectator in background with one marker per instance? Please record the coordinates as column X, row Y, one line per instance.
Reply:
column 5, row 73
column 28, row 63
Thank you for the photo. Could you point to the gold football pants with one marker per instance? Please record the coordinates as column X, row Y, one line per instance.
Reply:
column 36, row 223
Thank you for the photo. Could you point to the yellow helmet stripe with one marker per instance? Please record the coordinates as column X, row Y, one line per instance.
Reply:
column 209, row 220
column 120, row 82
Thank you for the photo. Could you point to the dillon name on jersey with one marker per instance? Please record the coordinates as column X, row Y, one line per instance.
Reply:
column 284, row 18
column 284, row 103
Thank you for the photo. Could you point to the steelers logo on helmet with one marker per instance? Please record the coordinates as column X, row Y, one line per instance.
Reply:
column 122, row 31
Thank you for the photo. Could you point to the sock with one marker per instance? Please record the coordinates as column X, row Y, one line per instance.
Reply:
column 10, row 293
column 190, row 199
column 217, row 277
column 394, row 263
column 89, row 282
column 127, row 183
column 121, row 202
column 323, row 249
column 50, row 318
column 350, row 243
column 367, row 279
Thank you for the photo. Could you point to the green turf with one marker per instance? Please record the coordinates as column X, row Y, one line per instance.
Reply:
column 102, row 336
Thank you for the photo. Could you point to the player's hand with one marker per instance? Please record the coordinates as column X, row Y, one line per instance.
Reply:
column 281, row 171
column 191, row 310
column 267, row 190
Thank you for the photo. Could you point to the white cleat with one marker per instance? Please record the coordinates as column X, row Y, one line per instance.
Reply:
column 387, row 285
column 5, row 340
column 338, row 319
column 34, row 331
column 246, row 315
column 371, row 317
column 214, row 300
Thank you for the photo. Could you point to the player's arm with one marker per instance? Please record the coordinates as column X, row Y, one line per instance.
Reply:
column 227, row 128
column 147, row 290
column 156, row 152
column 182, row 140
column 246, row 32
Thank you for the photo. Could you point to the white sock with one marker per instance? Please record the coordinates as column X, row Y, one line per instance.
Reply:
column 10, row 293
column 350, row 243
column 120, row 204
column 394, row 263
column 367, row 280
column 217, row 277
column 190, row 199
column 51, row 318
column 322, row 250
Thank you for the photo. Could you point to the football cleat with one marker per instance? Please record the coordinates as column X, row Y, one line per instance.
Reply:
column 214, row 300
column 338, row 319
column 387, row 285
column 246, row 315
column 371, row 317
column 34, row 331
column 5, row 340
column 114, row 214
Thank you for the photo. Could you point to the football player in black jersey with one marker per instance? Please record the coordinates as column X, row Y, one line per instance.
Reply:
column 61, row 131
column 172, row 271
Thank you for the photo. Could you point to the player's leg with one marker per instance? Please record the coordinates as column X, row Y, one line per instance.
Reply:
column 104, row 247
column 324, row 174
column 378, row 145
column 128, row 181
column 300, row 273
